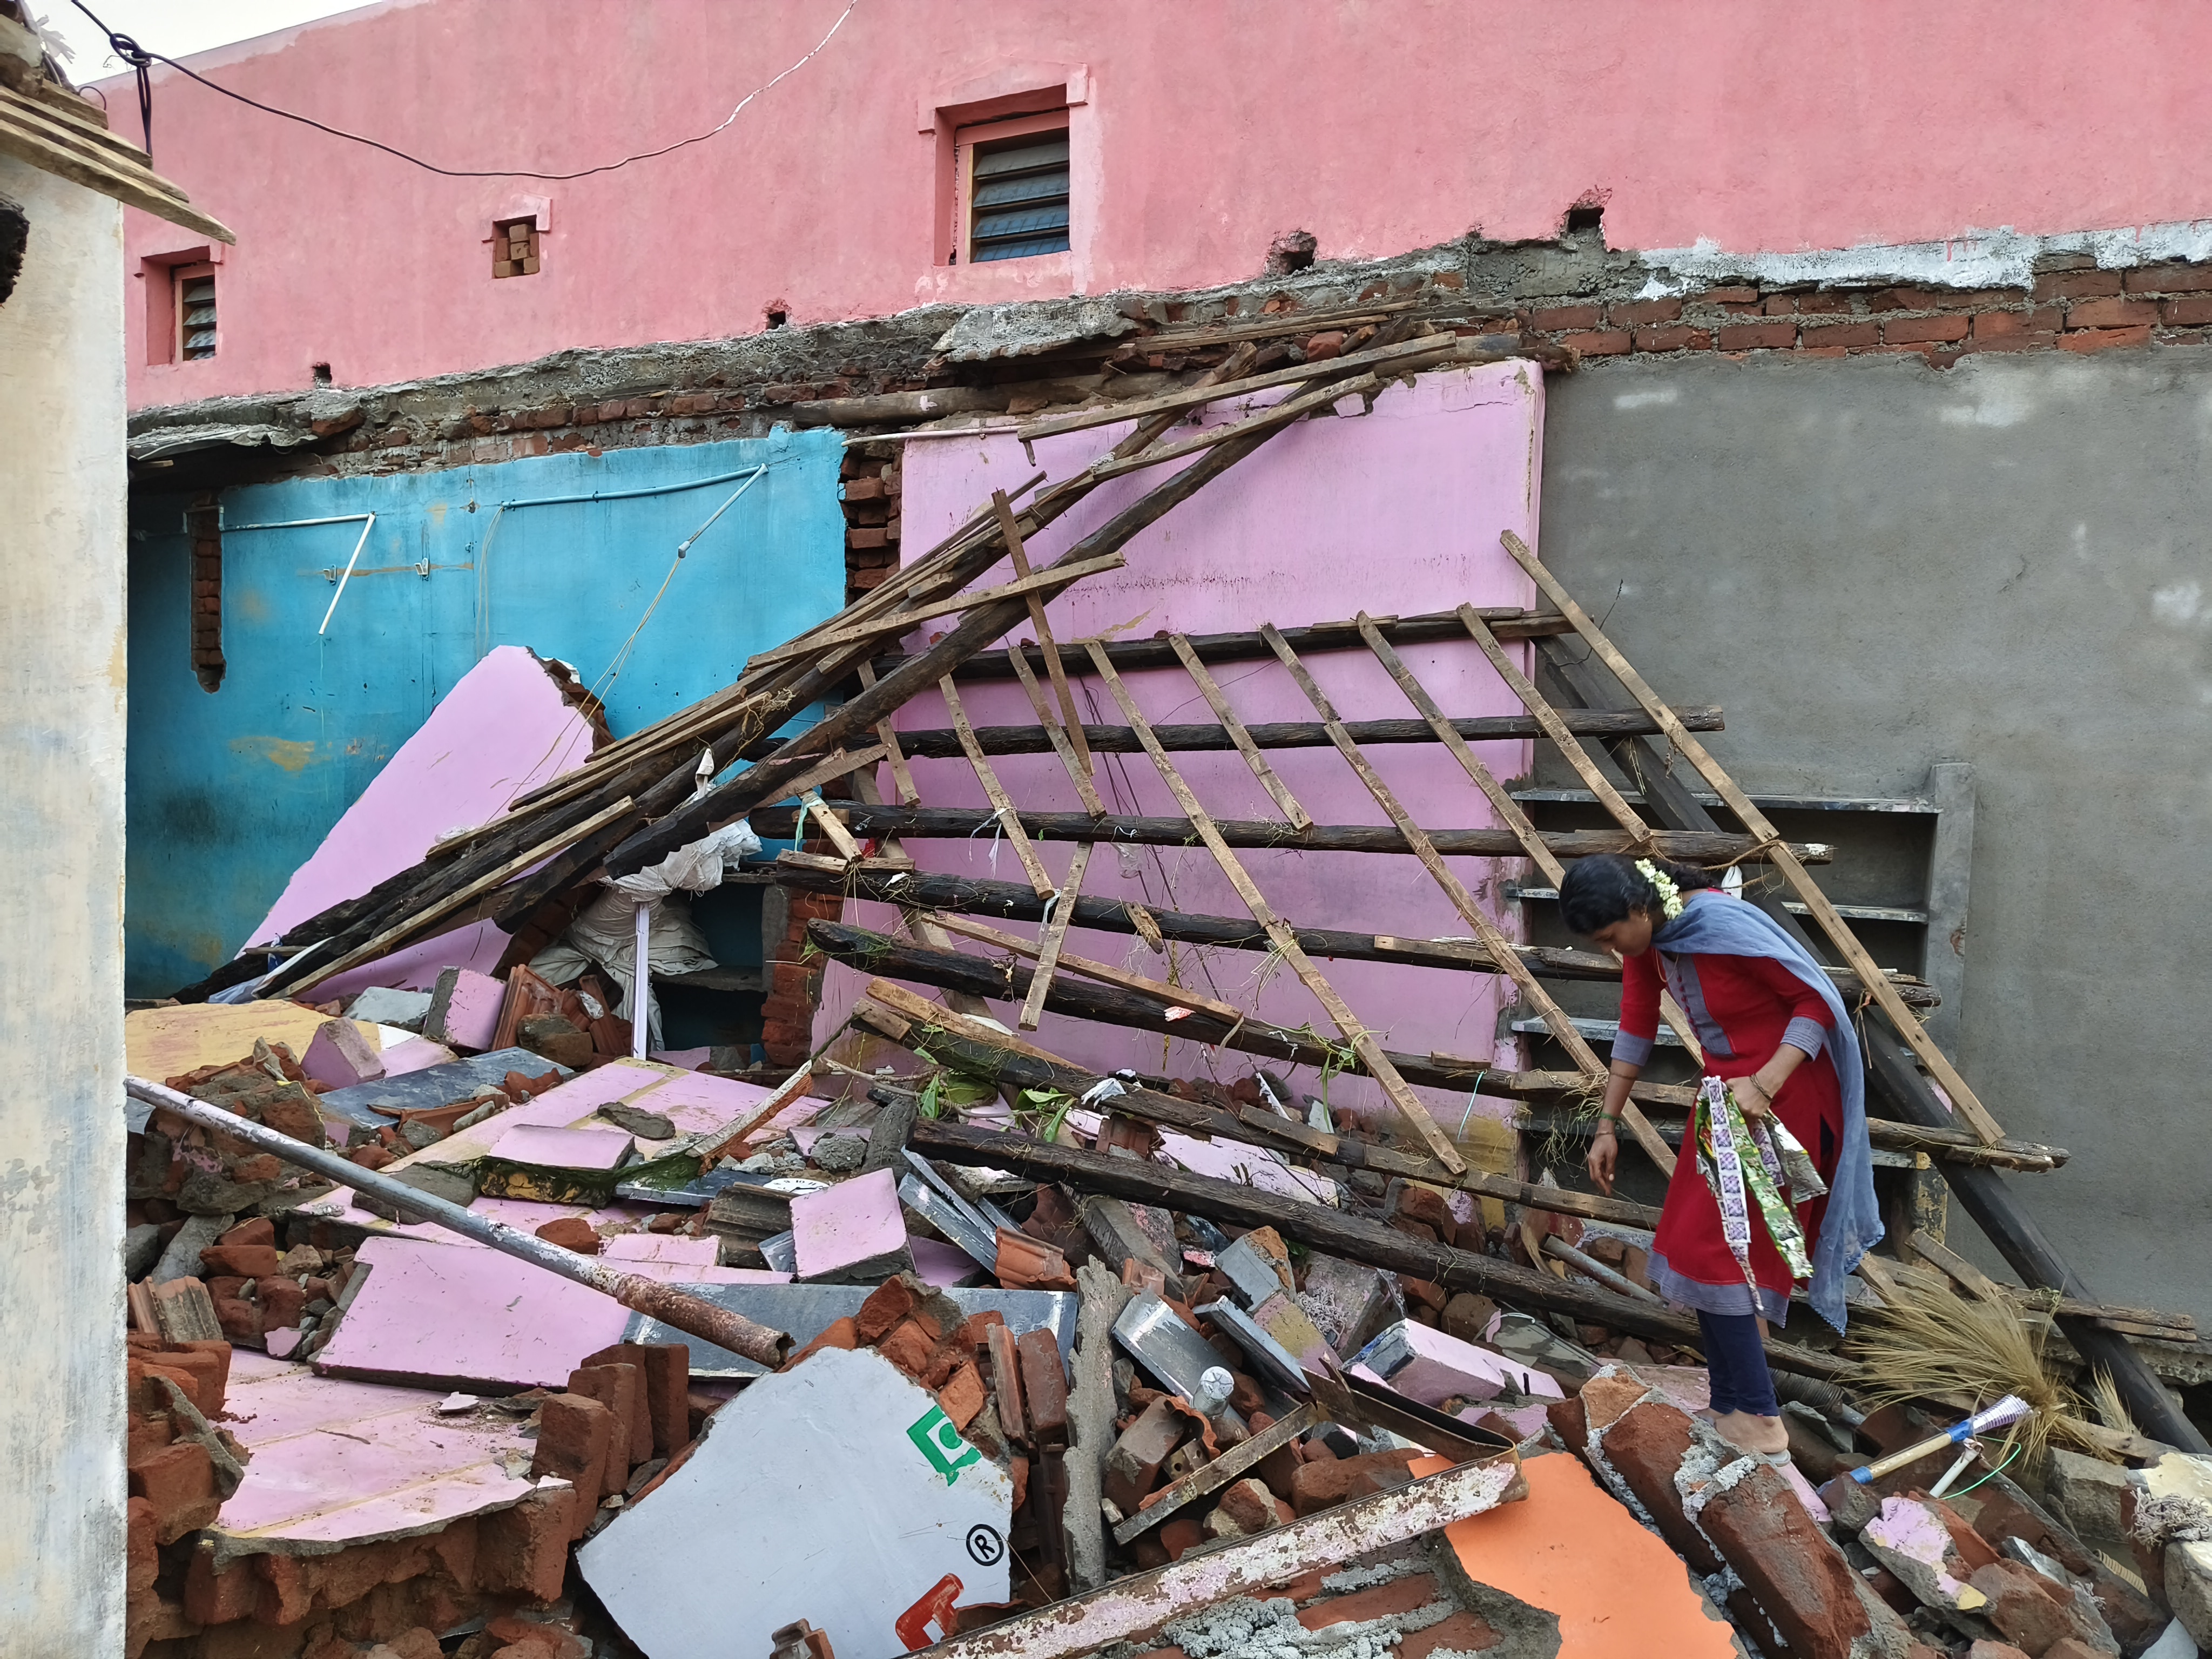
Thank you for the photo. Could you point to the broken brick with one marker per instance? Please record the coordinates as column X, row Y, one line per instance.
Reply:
column 571, row 1232
column 575, row 1438
column 962, row 1396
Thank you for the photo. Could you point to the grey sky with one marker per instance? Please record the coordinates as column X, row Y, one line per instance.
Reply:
column 175, row 28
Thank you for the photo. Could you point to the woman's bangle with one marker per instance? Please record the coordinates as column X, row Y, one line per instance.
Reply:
column 1609, row 1124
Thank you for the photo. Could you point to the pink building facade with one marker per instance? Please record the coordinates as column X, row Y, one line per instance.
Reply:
column 1197, row 135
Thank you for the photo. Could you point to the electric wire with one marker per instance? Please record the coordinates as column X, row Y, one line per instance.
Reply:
column 140, row 59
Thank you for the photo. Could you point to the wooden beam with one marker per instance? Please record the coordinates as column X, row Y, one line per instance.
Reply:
column 1105, row 973
column 1839, row 931
column 940, row 743
column 1077, row 766
column 1348, row 1024
column 958, row 822
column 887, row 735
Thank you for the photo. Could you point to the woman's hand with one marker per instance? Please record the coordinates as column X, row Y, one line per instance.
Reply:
column 1751, row 1097
column 1604, row 1155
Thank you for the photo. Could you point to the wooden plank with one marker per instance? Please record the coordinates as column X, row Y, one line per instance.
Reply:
column 1105, row 973
column 1961, row 1094
column 1509, row 810
column 1077, row 766
column 1054, row 671
column 22, row 137
column 887, row 735
column 1055, row 934
column 1278, row 791
column 1275, row 415
column 1009, row 820
column 1555, row 728
column 839, row 836
column 1950, row 862
column 918, row 922
column 1487, row 931
column 2149, row 1321
column 1211, row 1477
column 1036, row 584
column 1194, row 397
column 1348, row 1024
column 843, row 763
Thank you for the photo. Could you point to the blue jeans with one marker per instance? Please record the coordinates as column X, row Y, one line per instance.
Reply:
column 1736, row 1361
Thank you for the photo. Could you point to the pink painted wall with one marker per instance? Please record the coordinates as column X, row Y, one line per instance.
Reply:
column 1201, row 131
column 1397, row 512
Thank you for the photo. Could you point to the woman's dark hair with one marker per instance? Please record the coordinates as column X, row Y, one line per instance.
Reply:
column 1596, row 892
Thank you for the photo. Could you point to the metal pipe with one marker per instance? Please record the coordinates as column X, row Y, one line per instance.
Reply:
column 640, row 982
column 1583, row 1262
column 484, row 553
column 303, row 524
column 687, row 1313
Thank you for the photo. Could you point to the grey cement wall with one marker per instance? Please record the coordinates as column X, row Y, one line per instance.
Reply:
column 1873, row 565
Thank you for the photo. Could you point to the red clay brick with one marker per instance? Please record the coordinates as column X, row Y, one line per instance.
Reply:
column 2167, row 279
column 571, row 1232
column 1757, row 337
column 1605, row 344
column 1677, row 338
column 178, row 1481
column 909, row 1347
column 1637, row 312
column 260, row 1231
column 1999, row 325
column 1723, row 296
column 1403, row 1594
column 2112, row 314
column 842, row 1333
column 142, row 1564
column 219, row 1598
column 1463, row 1633
column 575, row 1438
column 1840, row 334
column 1914, row 330
column 2104, row 339
column 1912, row 299
column 962, row 1397
column 1551, row 319
column 2077, row 284
column 2187, row 313
column 621, row 1388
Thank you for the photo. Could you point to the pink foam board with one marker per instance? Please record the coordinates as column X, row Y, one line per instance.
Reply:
column 502, row 729
column 341, row 1055
column 445, row 1313
column 1443, row 1366
column 690, row 1059
column 936, row 1262
column 660, row 1247
column 563, row 1149
column 837, row 1228
column 336, row 1462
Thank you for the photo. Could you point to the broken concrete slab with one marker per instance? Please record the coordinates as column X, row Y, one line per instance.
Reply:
column 181, row 1259
column 857, row 1531
column 340, row 1056
column 428, row 1088
column 2189, row 1588
column 851, row 1233
column 1910, row 1540
column 335, row 1462
column 387, row 1004
column 463, row 1011
column 1570, row 1548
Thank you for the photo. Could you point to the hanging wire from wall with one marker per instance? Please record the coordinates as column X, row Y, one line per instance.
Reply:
column 139, row 57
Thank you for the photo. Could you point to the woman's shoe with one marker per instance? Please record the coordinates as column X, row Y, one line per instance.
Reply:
column 1763, row 1437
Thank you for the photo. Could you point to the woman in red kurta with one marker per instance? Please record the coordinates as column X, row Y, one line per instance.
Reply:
column 1765, row 1031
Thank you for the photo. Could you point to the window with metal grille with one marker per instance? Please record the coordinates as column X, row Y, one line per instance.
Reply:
column 194, row 308
column 1017, row 197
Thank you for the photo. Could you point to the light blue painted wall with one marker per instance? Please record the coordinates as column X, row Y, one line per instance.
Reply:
column 230, row 791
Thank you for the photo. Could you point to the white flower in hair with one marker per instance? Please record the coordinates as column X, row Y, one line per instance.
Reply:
column 1670, row 895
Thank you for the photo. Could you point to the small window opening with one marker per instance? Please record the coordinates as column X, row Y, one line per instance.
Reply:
column 194, row 308
column 322, row 374
column 778, row 319
column 1584, row 215
column 1017, row 197
column 1293, row 251
column 514, row 247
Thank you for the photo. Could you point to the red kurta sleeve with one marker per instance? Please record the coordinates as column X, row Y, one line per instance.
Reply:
column 1810, row 1021
column 1639, row 1009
